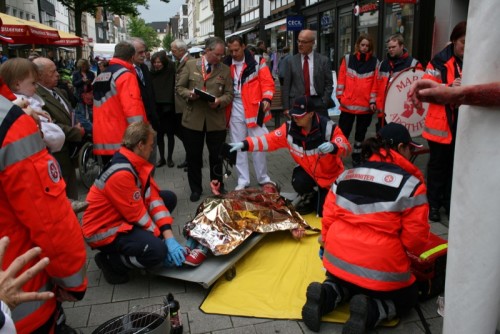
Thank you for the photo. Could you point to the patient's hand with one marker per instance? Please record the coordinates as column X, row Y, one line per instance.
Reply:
column 298, row 233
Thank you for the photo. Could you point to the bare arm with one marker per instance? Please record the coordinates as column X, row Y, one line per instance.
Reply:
column 483, row 95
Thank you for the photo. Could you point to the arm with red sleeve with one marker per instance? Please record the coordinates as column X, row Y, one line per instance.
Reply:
column 268, row 142
column 35, row 193
column 130, row 98
column 414, row 224
column 343, row 145
column 157, row 208
column 266, row 82
column 341, row 80
column 122, row 191
column 329, row 215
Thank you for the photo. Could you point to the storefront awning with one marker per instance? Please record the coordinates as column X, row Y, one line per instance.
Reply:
column 68, row 39
column 26, row 32
column 275, row 24
column 239, row 32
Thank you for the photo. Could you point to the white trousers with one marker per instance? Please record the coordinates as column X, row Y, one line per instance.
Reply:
column 239, row 132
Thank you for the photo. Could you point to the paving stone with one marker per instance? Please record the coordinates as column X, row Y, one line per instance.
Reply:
column 97, row 295
column 278, row 326
column 161, row 286
column 200, row 322
column 77, row 316
column 238, row 330
column 245, row 321
column 104, row 312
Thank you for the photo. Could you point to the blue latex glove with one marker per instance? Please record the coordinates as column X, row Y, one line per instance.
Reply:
column 175, row 252
column 326, row 147
column 236, row 146
column 320, row 253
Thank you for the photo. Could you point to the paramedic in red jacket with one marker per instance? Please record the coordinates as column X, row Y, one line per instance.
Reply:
column 253, row 92
column 117, row 101
column 441, row 123
column 356, row 92
column 128, row 218
column 35, row 212
column 398, row 59
column 373, row 215
column 315, row 142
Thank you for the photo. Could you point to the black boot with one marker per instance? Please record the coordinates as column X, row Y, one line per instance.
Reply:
column 112, row 275
column 312, row 310
column 356, row 154
column 364, row 315
column 434, row 215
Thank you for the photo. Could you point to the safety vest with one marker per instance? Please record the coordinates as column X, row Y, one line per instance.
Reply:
column 117, row 103
column 256, row 85
column 372, row 216
column 127, row 183
column 444, row 68
column 34, row 211
column 357, row 87
column 323, row 168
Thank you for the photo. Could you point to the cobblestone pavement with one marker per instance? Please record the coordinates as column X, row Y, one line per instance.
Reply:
column 104, row 301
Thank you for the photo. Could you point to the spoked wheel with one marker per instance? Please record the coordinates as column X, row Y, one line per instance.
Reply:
column 89, row 165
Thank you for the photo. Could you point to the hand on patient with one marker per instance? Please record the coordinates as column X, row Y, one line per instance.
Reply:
column 175, row 252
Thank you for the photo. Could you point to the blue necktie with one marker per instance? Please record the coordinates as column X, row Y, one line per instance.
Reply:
column 140, row 74
column 209, row 68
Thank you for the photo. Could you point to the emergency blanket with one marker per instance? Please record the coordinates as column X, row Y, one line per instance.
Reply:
column 223, row 222
column 271, row 280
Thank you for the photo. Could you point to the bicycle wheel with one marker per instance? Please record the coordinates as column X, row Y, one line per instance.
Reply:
column 89, row 165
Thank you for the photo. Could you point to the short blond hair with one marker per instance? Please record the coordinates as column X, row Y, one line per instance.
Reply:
column 137, row 132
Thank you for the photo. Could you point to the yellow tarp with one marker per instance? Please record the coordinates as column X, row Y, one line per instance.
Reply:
column 271, row 281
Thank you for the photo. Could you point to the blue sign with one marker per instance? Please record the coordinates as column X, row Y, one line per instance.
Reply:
column 294, row 23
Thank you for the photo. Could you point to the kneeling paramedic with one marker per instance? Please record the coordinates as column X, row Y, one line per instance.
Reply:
column 128, row 218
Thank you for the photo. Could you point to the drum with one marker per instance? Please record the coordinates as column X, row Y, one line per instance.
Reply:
column 398, row 106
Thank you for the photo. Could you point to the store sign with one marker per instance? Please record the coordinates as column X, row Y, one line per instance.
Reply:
column 294, row 23
column 370, row 7
column 400, row 1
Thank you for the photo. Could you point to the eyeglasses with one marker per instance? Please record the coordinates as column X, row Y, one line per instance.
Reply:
column 301, row 41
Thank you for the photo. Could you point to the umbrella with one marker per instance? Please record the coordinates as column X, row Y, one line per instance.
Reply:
column 195, row 49
column 26, row 32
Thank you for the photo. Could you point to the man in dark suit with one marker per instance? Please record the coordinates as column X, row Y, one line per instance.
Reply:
column 203, row 120
column 181, row 54
column 61, row 112
column 146, row 87
column 314, row 80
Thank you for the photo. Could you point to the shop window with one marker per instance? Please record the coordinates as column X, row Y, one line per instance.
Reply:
column 368, row 22
column 345, row 32
column 400, row 18
column 327, row 36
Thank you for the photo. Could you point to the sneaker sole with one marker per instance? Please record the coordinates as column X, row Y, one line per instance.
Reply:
column 358, row 308
column 311, row 312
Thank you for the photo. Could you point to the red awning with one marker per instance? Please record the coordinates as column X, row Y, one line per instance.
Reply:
column 26, row 32
column 68, row 39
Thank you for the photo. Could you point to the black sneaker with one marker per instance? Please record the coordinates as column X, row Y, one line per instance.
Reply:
column 358, row 306
column 111, row 275
column 311, row 311
column 434, row 215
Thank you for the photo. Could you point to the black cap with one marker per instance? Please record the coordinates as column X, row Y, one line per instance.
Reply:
column 396, row 133
column 301, row 106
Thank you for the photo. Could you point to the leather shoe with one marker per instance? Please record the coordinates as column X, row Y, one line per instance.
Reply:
column 195, row 196
column 183, row 165
column 434, row 215
column 170, row 163
column 161, row 163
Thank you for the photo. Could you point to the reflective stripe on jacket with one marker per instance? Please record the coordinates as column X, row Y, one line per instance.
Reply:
column 257, row 85
column 34, row 211
column 117, row 103
column 124, row 195
column 388, row 69
column 323, row 168
column 443, row 68
column 372, row 216
column 357, row 87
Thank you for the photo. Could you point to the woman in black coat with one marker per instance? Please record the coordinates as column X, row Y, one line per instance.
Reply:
column 163, row 78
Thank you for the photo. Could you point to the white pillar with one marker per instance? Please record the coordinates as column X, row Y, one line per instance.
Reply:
column 473, row 273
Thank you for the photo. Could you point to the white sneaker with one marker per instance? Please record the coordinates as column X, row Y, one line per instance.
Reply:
column 240, row 187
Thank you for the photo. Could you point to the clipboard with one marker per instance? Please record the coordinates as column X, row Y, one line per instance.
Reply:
column 204, row 95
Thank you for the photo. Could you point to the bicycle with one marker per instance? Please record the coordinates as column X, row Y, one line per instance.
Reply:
column 89, row 164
